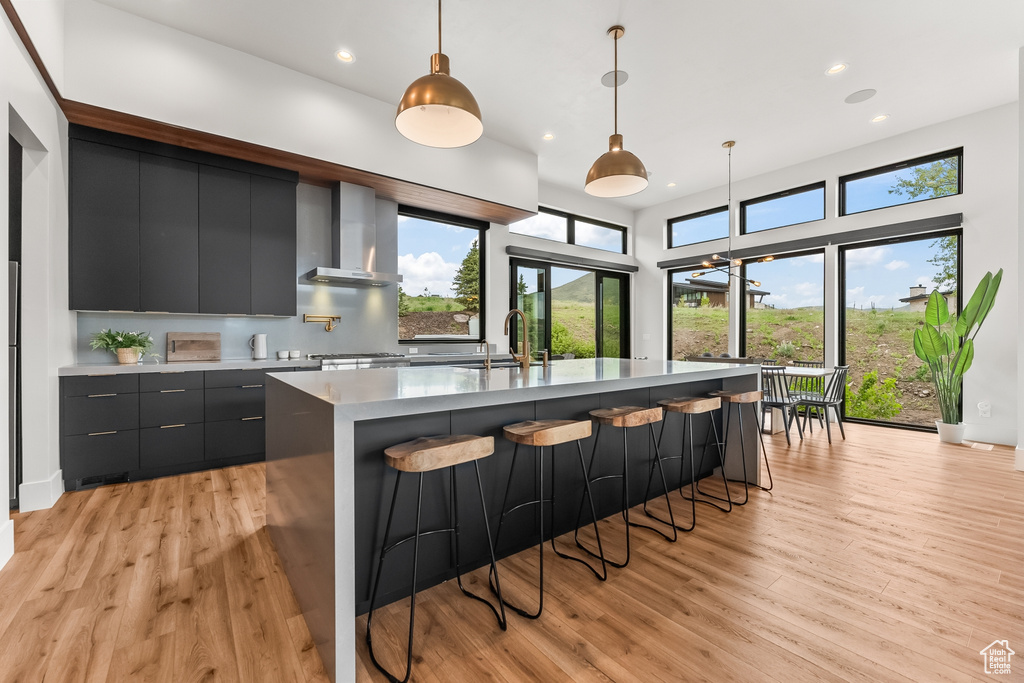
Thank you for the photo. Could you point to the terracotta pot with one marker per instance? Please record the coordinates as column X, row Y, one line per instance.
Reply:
column 950, row 433
column 127, row 356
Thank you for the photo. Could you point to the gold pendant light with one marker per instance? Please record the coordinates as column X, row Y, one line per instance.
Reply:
column 616, row 173
column 438, row 110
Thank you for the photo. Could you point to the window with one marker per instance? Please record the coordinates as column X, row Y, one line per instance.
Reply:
column 698, row 314
column 564, row 227
column 799, row 205
column 571, row 310
column 702, row 226
column 441, row 260
column 884, row 288
column 785, row 310
column 930, row 177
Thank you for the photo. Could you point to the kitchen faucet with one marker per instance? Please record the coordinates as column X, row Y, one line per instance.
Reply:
column 523, row 360
column 487, row 350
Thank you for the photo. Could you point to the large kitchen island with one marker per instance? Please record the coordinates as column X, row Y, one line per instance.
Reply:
column 328, row 488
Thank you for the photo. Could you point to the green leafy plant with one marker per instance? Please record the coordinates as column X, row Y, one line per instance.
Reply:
column 786, row 349
column 705, row 300
column 112, row 340
column 874, row 400
column 403, row 302
column 946, row 343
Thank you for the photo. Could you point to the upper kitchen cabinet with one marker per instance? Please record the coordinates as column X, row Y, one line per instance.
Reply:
column 104, row 227
column 169, row 234
column 161, row 228
column 224, row 244
column 272, row 246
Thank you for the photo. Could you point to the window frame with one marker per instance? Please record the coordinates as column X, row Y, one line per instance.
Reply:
column 841, row 313
column 957, row 152
column 570, row 229
column 778, row 195
column 668, row 312
column 460, row 222
column 700, row 214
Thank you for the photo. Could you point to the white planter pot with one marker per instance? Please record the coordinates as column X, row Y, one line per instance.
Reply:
column 950, row 433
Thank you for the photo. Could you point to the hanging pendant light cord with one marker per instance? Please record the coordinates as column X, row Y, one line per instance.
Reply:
column 439, row 27
column 728, row 201
column 615, row 90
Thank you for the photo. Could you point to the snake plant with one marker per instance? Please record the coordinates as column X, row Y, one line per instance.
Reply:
column 946, row 342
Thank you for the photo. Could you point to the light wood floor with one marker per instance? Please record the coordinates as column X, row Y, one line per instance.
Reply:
column 892, row 559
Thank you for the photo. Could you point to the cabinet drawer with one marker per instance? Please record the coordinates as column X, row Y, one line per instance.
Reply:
column 100, row 413
column 170, row 381
column 170, row 406
column 99, row 454
column 232, row 438
column 99, row 384
column 171, row 445
column 232, row 403
column 234, row 378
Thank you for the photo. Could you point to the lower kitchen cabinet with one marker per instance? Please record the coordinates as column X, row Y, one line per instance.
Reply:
column 119, row 427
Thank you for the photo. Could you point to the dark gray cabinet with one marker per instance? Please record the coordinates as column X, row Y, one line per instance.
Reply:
column 224, row 256
column 272, row 247
column 169, row 234
column 160, row 228
column 99, row 424
column 104, row 232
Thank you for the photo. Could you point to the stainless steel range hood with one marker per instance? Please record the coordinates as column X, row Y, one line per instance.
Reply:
column 353, row 240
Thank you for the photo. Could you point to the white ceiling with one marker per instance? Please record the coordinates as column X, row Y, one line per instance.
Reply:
column 700, row 72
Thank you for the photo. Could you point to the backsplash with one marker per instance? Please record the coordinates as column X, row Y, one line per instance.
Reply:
column 369, row 316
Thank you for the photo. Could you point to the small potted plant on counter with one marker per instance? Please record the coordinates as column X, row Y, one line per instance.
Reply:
column 946, row 343
column 129, row 346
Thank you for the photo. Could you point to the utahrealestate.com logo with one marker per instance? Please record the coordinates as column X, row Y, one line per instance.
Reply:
column 997, row 657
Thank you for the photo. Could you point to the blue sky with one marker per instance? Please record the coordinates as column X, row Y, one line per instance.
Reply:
column 429, row 254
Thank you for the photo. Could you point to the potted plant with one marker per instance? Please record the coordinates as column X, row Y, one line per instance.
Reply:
column 946, row 343
column 129, row 346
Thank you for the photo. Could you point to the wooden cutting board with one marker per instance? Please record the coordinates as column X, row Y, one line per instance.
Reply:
column 193, row 346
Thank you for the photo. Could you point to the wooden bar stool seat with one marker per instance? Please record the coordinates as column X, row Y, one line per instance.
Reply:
column 626, row 417
column 740, row 399
column 540, row 434
column 419, row 456
column 688, row 407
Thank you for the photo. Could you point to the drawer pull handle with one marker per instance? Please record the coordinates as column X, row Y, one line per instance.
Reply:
column 109, row 374
column 101, row 433
column 246, row 419
column 100, row 395
column 172, row 372
column 171, row 426
column 251, row 386
column 171, row 391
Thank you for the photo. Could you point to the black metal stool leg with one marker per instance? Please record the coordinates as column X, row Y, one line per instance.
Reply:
column 695, row 488
column 625, row 510
column 656, row 461
column 764, row 452
column 603, row 574
column 502, row 621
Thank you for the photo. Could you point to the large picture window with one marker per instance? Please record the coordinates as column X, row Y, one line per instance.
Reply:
column 789, row 207
column 697, row 227
column 885, row 287
column 569, row 229
column 441, row 260
column 785, row 311
column 698, row 314
column 916, row 180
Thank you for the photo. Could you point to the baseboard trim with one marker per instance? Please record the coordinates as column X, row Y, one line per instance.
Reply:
column 1004, row 436
column 40, row 495
column 6, row 541
column 1018, row 459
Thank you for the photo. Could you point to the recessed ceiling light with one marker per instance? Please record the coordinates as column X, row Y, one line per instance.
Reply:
column 880, row 118
column 549, row 136
column 835, row 68
column 345, row 56
column 671, row 184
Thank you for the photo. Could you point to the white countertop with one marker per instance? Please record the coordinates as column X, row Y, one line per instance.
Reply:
column 392, row 391
column 152, row 365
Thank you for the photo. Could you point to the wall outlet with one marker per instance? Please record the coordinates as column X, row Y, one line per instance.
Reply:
column 413, row 350
column 984, row 409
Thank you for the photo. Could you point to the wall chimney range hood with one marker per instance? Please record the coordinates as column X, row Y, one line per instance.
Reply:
column 353, row 241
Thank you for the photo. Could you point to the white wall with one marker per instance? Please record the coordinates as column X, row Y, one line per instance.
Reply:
column 989, row 205
column 44, row 21
column 29, row 113
column 1019, row 460
column 132, row 65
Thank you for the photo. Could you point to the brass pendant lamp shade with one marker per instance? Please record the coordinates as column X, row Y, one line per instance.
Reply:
column 616, row 173
column 438, row 110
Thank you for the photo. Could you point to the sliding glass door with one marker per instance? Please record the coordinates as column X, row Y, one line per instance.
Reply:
column 572, row 310
column 885, row 287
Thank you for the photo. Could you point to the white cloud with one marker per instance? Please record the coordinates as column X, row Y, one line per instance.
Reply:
column 896, row 265
column 865, row 257
column 429, row 271
column 541, row 225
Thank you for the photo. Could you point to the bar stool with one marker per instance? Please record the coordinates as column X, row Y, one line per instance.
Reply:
column 740, row 399
column 688, row 407
column 424, row 455
column 625, row 417
column 550, row 433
